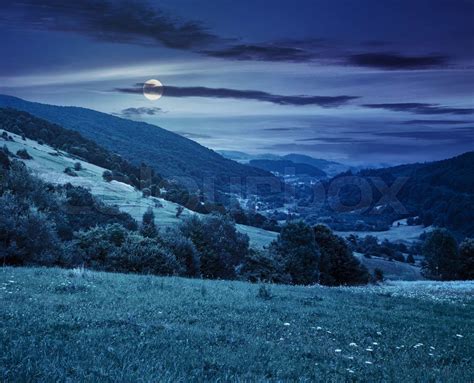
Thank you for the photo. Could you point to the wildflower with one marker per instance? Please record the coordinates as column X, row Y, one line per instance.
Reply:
column 379, row 333
column 286, row 324
column 337, row 350
column 459, row 336
column 375, row 343
column 368, row 362
column 432, row 348
column 349, row 371
column 318, row 328
column 369, row 349
column 353, row 344
column 350, row 357
column 329, row 332
column 430, row 354
column 418, row 345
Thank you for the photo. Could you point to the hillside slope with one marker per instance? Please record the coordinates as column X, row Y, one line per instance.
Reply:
column 171, row 155
column 441, row 192
column 48, row 164
column 73, row 325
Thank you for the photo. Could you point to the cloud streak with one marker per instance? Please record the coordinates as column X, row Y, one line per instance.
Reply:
column 395, row 61
column 421, row 108
column 255, row 95
column 139, row 112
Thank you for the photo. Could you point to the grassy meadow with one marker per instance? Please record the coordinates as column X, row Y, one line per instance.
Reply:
column 74, row 325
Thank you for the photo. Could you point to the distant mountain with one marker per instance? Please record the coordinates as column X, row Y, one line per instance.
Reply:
column 331, row 168
column 285, row 167
column 171, row 155
column 441, row 192
column 303, row 159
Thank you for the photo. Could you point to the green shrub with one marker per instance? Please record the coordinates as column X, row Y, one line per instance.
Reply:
column 23, row 154
column 222, row 248
column 260, row 266
column 143, row 255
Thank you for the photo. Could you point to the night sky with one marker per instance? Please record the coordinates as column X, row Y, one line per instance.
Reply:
column 362, row 82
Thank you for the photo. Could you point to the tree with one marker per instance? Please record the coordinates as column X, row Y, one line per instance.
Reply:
column 77, row 166
column 222, row 248
column 337, row 265
column 148, row 228
column 260, row 266
column 107, row 175
column 297, row 248
column 441, row 255
column 179, row 211
column 184, row 251
column 466, row 255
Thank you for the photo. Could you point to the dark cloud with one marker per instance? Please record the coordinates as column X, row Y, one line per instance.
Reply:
column 458, row 135
column 138, row 112
column 200, row 91
column 123, row 21
column 436, row 122
column 421, row 108
column 393, row 61
column 269, row 52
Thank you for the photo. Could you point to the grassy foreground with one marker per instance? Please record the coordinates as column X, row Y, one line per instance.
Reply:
column 60, row 325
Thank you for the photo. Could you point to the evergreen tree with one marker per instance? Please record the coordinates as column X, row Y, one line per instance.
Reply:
column 441, row 255
column 337, row 265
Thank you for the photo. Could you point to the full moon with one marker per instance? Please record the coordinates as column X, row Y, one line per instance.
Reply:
column 153, row 90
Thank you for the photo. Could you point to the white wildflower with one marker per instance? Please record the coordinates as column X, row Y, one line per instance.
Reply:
column 375, row 343
column 418, row 345
column 369, row 349
column 337, row 350
column 286, row 324
column 379, row 333
column 459, row 336
column 318, row 328
column 349, row 371
column 353, row 344
column 368, row 362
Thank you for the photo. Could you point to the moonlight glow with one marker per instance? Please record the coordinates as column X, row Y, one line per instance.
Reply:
column 153, row 90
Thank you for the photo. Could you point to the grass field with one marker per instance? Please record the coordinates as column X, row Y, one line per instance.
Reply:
column 67, row 326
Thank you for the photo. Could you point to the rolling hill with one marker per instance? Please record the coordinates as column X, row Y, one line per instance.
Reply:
column 440, row 192
column 288, row 167
column 171, row 155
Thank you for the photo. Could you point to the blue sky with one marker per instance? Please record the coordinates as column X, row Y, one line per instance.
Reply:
column 362, row 82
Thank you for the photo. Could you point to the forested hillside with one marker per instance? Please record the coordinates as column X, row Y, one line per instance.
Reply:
column 441, row 193
column 170, row 154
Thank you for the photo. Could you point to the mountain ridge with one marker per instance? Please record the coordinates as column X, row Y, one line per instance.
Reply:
column 171, row 155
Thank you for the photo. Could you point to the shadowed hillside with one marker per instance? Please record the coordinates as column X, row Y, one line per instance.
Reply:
column 170, row 154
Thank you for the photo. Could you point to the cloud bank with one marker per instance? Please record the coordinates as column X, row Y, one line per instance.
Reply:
column 256, row 95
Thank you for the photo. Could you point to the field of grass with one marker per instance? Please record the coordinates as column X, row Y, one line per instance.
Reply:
column 66, row 325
